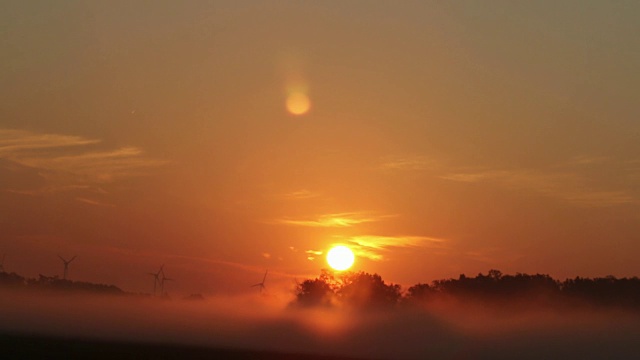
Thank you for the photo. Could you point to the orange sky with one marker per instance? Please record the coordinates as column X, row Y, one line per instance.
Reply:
column 441, row 138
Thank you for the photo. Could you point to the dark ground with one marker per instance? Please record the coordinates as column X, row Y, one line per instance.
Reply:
column 19, row 346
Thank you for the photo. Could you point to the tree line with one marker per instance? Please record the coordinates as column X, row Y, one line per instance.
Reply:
column 15, row 281
column 364, row 290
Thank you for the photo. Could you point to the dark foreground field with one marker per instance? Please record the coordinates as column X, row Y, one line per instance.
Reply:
column 14, row 346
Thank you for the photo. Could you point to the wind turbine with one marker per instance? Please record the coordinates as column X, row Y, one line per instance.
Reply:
column 156, row 278
column 66, row 265
column 261, row 285
column 164, row 278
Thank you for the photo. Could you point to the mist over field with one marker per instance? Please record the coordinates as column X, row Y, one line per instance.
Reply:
column 442, row 330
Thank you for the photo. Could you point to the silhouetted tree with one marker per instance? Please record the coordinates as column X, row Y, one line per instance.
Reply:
column 494, row 274
column 366, row 290
column 315, row 292
column 497, row 287
column 604, row 291
column 12, row 280
column 55, row 283
column 363, row 290
column 420, row 293
column 358, row 290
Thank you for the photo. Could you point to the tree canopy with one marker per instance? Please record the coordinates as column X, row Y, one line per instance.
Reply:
column 357, row 289
column 363, row 290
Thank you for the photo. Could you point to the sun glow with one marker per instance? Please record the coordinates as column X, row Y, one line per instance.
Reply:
column 340, row 257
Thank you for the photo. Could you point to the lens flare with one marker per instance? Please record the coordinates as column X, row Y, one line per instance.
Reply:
column 298, row 103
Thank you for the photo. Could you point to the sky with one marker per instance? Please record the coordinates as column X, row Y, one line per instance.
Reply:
column 224, row 138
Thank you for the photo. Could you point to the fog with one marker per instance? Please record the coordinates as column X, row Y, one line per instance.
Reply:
column 438, row 331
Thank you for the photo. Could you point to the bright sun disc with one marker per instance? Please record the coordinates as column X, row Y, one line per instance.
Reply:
column 340, row 258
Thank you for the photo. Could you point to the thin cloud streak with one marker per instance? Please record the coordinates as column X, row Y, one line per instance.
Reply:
column 373, row 246
column 599, row 198
column 34, row 150
column 93, row 202
column 99, row 166
column 571, row 181
column 46, row 190
column 408, row 163
column 380, row 242
column 334, row 220
column 588, row 160
column 300, row 195
column 568, row 186
column 312, row 254
column 13, row 142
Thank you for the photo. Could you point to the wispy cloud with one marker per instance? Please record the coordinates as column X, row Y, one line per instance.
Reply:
column 577, row 180
column 588, row 160
column 74, row 157
column 347, row 219
column 94, row 202
column 102, row 166
column 46, row 190
column 14, row 141
column 599, row 198
column 413, row 162
column 561, row 183
column 381, row 242
column 478, row 176
column 300, row 195
column 374, row 246
column 312, row 254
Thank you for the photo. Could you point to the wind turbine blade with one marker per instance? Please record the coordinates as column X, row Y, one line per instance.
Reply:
column 265, row 276
column 73, row 258
column 160, row 271
column 61, row 258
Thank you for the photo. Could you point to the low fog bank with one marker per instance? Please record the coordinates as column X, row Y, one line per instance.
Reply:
column 444, row 330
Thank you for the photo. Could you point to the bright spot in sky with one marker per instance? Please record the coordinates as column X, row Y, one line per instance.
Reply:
column 298, row 103
column 340, row 258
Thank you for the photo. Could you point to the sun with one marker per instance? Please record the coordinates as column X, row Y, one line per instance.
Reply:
column 340, row 257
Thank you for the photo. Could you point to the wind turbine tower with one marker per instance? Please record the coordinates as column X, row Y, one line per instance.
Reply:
column 162, row 280
column 156, row 279
column 66, row 265
column 261, row 284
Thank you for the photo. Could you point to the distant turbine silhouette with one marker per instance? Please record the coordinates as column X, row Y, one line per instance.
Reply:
column 162, row 280
column 66, row 265
column 156, row 279
column 261, row 285
column 2, row 263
